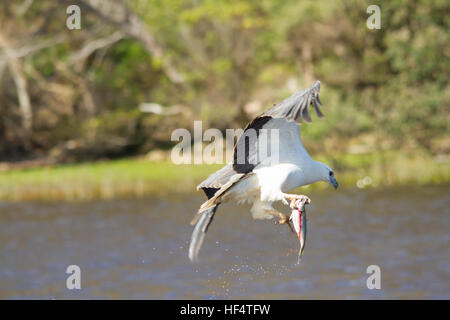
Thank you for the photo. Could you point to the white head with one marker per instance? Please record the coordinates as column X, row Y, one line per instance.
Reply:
column 325, row 173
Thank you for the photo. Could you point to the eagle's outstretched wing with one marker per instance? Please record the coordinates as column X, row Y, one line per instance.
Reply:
column 295, row 108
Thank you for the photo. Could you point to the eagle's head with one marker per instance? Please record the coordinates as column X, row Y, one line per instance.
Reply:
column 327, row 175
column 332, row 179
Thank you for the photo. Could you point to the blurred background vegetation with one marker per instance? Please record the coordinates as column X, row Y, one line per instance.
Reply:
column 69, row 96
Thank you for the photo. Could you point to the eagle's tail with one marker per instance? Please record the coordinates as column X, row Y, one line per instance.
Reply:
column 200, row 231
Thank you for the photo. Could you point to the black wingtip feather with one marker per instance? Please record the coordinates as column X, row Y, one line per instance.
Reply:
column 318, row 99
column 316, row 107
column 305, row 113
column 300, row 111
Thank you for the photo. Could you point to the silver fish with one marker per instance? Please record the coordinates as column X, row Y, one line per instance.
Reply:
column 298, row 219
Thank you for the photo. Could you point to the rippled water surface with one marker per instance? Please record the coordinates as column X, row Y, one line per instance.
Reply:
column 137, row 249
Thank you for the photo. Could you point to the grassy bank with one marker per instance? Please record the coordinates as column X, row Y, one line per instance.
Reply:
column 138, row 177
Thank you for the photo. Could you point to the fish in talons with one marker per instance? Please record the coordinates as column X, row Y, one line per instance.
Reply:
column 298, row 219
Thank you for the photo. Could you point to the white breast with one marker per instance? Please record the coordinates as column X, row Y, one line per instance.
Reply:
column 288, row 171
column 276, row 174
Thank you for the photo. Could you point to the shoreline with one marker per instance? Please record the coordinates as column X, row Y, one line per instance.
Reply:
column 139, row 177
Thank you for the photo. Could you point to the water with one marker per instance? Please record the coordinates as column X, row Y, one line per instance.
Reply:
column 137, row 249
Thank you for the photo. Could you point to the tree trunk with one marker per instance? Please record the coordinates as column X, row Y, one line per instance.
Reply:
column 16, row 69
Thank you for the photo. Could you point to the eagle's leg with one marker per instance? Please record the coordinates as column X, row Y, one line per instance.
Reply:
column 295, row 197
column 282, row 218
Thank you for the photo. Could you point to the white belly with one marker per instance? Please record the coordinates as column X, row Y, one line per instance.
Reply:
column 277, row 179
column 275, row 175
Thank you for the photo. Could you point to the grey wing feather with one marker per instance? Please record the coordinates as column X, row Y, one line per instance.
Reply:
column 204, row 216
column 218, row 178
column 199, row 233
column 296, row 107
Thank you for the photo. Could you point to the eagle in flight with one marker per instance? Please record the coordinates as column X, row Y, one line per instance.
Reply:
column 261, row 178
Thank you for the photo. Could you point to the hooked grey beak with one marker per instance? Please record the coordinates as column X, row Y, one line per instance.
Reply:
column 334, row 182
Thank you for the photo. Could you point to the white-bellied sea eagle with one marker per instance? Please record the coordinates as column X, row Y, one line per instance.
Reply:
column 262, row 178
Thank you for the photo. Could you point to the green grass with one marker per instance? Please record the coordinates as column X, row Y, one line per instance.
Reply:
column 100, row 180
column 138, row 177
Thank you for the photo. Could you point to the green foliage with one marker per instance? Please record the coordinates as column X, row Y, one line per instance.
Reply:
column 390, row 84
